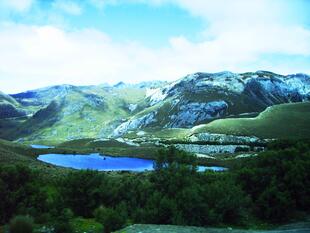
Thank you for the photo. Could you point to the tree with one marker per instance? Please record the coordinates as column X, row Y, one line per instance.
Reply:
column 80, row 190
column 20, row 191
column 21, row 224
column 63, row 222
column 110, row 218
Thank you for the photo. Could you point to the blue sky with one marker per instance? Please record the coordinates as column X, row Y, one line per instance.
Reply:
column 48, row 42
column 151, row 25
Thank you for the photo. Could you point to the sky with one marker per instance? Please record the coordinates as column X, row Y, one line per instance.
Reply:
column 86, row 42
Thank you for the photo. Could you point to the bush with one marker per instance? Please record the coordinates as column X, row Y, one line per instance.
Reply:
column 63, row 227
column 20, row 192
column 272, row 187
column 278, row 181
column 110, row 219
column 62, row 224
column 21, row 224
column 81, row 193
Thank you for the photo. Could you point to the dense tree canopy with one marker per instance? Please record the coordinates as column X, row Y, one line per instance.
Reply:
column 273, row 187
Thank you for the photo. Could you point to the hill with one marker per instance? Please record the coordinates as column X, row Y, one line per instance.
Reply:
column 285, row 121
column 9, row 107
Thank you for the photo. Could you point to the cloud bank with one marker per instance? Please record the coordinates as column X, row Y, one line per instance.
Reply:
column 239, row 36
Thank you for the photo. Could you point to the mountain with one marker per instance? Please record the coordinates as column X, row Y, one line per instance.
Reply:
column 65, row 112
column 202, row 97
column 9, row 107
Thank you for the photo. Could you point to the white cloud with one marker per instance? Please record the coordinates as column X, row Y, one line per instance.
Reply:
column 17, row 5
column 69, row 7
column 241, row 36
column 40, row 56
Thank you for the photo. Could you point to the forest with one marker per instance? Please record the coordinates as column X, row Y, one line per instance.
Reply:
column 272, row 188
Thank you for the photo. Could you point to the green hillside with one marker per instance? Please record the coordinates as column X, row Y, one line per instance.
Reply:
column 285, row 121
column 9, row 107
column 81, row 112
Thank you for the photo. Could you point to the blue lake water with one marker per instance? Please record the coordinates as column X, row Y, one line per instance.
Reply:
column 35, row 146
column 106, row 163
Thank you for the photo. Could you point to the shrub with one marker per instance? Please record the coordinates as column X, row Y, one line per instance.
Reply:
column 110, row 219
column 63, row 222
column 21, row 224
column 63, row 227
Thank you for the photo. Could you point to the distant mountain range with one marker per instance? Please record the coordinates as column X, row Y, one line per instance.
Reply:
column 66, row 112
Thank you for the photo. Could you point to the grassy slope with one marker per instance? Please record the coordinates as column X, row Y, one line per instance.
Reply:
column 14, row 153
column 78, row 116
column 285, row 121
column 110, row 147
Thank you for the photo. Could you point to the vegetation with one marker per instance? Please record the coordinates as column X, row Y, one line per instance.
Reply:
column 269, row 124
column 273, row 187
column 21, row 224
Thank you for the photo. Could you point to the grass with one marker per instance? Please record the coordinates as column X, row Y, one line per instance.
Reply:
column 15, row 153
column 81, row 225
column 110, row 147
column 285, row 121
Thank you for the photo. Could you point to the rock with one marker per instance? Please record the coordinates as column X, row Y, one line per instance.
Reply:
column 211, row 149
column 135, row 124
column 204, row 156
column 141, row 133
column 225, row 139
column 155, row 95
column 190, row 114
column 245, row 156
column 126, row 141
column 132, row 107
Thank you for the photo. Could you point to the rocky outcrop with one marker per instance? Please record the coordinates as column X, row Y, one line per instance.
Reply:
column 212, row 149
column 190, row 114
column 135, row 123
column 132, row 107
column 225, row 139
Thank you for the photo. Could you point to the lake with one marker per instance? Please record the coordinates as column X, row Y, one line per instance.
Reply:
column 35, row 146
column 106, row 163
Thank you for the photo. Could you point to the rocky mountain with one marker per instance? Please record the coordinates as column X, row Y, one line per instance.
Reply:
column 69, row 112
column 202, row 97
column 66, row 112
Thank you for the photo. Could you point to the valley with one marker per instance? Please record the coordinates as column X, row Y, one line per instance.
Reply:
column 60, row 113
column 240, row 140
column 216, row 116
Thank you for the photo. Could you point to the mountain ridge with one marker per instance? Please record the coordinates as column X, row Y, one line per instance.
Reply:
column 201, row 97
column 104, row 110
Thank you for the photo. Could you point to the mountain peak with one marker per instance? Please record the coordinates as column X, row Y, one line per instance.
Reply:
column 120, row 85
